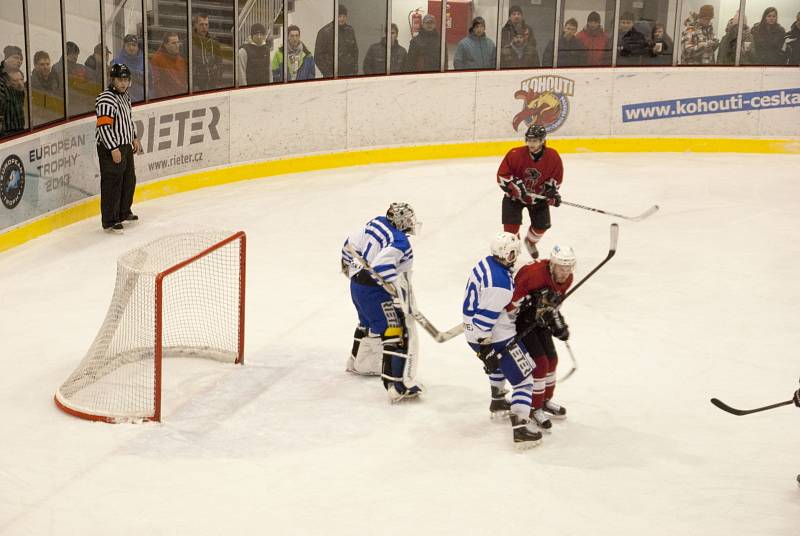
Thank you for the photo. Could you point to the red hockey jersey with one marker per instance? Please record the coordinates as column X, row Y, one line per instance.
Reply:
column 534, row 173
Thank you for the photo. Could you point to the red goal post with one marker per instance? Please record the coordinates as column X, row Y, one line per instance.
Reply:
column 182, row 295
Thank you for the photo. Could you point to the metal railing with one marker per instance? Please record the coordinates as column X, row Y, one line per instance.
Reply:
column 265, row 12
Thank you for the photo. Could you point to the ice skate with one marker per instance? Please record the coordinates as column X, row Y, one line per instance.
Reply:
column 403, row 393
column 555, row 410
column 541, row 419
column 499, row 407
column 117, row 228
column 524, row 437
column 131, row 217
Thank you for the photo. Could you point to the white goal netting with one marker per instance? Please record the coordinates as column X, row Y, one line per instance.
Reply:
column 178, row 296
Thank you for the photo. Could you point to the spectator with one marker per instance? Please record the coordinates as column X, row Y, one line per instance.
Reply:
column 253, row 64
column 518, row 53
column 46, row 89
column 791, row 43
column 12, row 103
column 206, row 56
column 169, row 74
column 728, row 43
column 424, row 49
column 95, row 64
column 515, row 21
column 596, row 44
column 12, row 61
column 768, row 38
column 698, row 41
column 132, row 56
column 663, row 47
column 80, row 85
column 475, row 51
column 300, row 65
column 632, row 46
column 348, row 47
column 375, row 60
column 571, row 52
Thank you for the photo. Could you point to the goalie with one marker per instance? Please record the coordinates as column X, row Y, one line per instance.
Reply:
column 377, row 259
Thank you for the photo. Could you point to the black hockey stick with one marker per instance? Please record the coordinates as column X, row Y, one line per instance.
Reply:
column 426, row 324
column 612, row 250
column 725, row 407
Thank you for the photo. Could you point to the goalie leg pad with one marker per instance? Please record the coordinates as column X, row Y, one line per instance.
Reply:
column 370, row 355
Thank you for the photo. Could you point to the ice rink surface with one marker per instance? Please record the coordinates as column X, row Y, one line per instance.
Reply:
column 701, row 300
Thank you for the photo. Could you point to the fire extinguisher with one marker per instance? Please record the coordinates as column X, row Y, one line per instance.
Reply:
column 415, row 21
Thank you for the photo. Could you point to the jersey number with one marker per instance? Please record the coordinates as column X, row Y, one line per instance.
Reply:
column 471, row 300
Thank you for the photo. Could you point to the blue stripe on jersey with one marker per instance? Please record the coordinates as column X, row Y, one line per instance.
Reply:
column 486, row 273
column 486, row 326
column 488, row 313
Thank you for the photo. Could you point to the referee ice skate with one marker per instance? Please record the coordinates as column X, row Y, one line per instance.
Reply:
column 116, row 144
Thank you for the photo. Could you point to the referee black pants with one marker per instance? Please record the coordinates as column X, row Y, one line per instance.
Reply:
column 117, row 185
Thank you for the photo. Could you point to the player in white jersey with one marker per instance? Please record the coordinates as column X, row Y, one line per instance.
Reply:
column 382, row 338
column 490, row 332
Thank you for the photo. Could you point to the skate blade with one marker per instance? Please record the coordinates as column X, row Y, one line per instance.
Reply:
column 527, row 445
column 499, row 415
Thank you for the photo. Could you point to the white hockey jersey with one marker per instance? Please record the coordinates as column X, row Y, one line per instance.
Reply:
column 383, row 246
column 490, row 288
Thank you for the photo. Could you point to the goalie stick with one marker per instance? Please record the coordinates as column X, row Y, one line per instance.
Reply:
column 725, row 407
column 426, row 324
column 612, row 250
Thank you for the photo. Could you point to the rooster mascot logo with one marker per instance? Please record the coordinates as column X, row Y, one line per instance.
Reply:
column 544, row 102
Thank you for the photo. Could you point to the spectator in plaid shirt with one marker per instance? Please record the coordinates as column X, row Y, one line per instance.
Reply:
column 698, row 42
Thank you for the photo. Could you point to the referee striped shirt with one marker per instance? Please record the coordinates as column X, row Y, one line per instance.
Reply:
column 114, row 120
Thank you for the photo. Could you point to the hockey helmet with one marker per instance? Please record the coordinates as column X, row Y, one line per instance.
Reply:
column 120, row 70
column 535, row 132
column 402, row 216
column 506, row 247
column 562, row 257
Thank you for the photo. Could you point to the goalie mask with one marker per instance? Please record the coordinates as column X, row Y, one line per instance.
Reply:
column 402, row 216
column 562, row 263
column 506, row 247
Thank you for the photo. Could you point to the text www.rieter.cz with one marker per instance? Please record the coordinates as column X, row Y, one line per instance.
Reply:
column 716, row 104
column 177, row 160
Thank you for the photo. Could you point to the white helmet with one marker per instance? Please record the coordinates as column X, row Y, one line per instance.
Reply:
column 563, row 256
column 506, row 247
column 402, row 216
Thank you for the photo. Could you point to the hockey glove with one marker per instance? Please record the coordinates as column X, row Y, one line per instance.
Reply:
column 796, row 398
column 558, row 327
column 551, row 193
column 488, row 356
column 510, row 187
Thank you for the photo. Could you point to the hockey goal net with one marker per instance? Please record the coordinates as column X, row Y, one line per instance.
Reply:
column 178, row 296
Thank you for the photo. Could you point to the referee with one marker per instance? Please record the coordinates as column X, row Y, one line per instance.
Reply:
column 116, row 144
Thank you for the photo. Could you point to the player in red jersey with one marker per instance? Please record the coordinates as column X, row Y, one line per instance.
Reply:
column 530, row 176
column 539, row 287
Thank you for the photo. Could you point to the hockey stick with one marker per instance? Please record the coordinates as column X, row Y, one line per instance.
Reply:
column 574, row 367
column 426, row 324
column 725, row 407
column 646, row 214
column 612, row 250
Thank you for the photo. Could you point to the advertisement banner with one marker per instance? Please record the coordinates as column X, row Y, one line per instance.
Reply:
column 42, row 173
column 182, row 136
